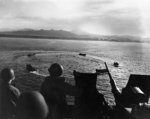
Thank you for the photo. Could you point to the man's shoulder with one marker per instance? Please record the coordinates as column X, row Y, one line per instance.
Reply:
column 14, row 90
column 61, row 79
column 56, row 79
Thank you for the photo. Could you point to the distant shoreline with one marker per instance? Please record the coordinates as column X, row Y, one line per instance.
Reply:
column 45, row 37
column 66, row 38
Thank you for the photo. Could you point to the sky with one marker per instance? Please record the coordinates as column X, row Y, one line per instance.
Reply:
column 101, row 17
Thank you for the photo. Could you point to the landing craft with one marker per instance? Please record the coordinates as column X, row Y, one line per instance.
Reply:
column 100, row 71
column 82, row 54
column 116, row 64
column 30, row 68
column 31, row 54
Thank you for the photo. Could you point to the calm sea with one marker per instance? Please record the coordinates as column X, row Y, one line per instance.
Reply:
column 132, row 57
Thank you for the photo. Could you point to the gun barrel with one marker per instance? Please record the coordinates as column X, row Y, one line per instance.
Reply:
column 112, row 82
column 108, row 70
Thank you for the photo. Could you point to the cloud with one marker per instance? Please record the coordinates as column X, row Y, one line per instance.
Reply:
column 128, row 26
column 123, row 21
column 112, row 17
column 99, row 16
column 30, row 9
column 16, row 14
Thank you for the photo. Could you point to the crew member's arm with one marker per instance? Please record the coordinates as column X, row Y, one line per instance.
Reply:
column 69, row 89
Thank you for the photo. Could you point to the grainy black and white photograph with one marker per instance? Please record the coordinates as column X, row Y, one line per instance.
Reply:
column 74, row 59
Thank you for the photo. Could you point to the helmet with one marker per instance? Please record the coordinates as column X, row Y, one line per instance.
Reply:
column 55, row 70
column 7, row 74
column 32, row 105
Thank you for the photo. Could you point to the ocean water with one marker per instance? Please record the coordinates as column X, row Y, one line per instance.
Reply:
column 133, row 58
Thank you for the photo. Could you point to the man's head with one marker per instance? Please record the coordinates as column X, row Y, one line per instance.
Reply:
column 55, row 70
column 7, row 74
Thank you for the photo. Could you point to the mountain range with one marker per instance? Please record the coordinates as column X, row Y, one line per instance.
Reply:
column 62, row 34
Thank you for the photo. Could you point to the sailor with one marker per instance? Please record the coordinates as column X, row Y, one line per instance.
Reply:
column 129, row 95
column 8, row 94
column 55, row 89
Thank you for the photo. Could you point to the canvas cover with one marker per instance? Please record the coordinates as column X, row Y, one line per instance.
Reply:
column 85, row 80
column 91, row 103
column 141, row 81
